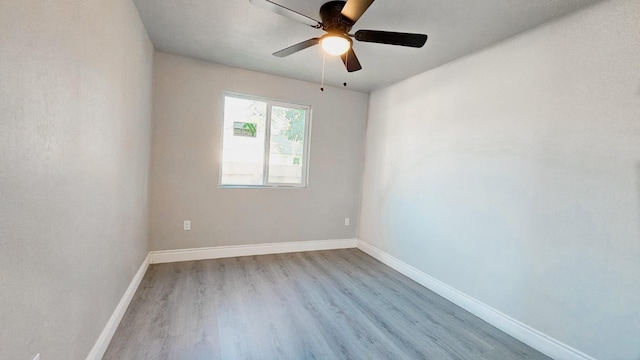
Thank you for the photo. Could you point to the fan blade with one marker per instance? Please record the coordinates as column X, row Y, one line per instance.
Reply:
column 391, row 38
column 353, row 9
column 286, row 12
column 350, row 61
column 297, row 47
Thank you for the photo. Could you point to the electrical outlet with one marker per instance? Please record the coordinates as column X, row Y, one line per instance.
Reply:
column 187, row 225
column 346, row 221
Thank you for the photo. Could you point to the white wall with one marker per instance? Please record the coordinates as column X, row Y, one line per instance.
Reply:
column 187, row 126
column 513, row 175
column 75, row 109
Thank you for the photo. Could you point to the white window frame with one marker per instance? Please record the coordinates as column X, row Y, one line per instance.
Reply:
column 265, row 175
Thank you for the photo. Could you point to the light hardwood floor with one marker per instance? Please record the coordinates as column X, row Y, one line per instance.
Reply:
column 338, row 304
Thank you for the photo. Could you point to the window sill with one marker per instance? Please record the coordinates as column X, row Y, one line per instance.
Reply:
column 285, row 187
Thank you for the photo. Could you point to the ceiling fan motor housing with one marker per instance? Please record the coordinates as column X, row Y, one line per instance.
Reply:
column 332, row 19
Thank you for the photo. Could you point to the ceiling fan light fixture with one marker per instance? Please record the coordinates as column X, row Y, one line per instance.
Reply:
column 335, row 44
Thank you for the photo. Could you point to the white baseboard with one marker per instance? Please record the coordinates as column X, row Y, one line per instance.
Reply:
column 528, row 335
column 104, row 339
column 218, row 252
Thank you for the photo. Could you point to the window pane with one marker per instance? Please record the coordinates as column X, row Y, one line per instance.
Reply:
column 286, row 147
column 243, row 141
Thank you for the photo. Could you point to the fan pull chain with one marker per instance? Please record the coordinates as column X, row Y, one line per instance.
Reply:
column 346, row 64
column 322, row 85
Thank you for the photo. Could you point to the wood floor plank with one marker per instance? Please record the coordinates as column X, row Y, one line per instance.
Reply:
column 338, row 304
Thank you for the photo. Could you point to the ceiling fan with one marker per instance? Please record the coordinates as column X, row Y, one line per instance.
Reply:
column 338, row 17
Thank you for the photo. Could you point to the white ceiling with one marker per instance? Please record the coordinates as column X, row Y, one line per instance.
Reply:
column 236, row 33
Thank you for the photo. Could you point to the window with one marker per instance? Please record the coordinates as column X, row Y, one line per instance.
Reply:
column 265, row 143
